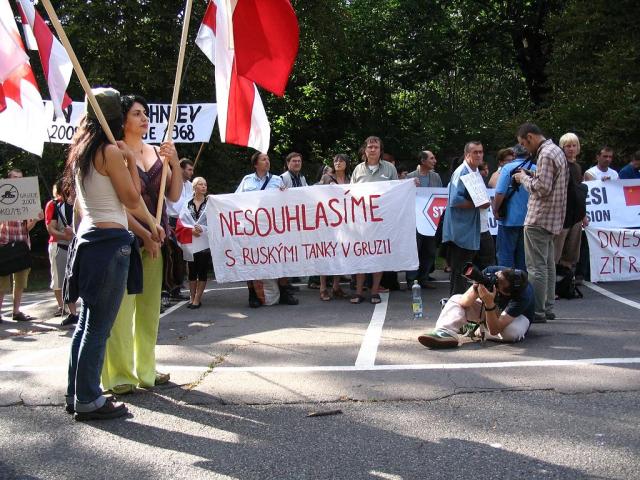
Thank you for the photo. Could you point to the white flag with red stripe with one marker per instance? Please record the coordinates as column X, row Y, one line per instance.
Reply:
column 187, row 241
column 56, row 63
column 27, row 32
column 23, row 122
column 242, row 119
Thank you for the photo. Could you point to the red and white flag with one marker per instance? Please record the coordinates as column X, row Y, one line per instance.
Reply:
column 188, row 242
column 266, row 37
column 56, row 63
column 23, row 122
column 27, row 32
column 11, row 57
column 242, row 119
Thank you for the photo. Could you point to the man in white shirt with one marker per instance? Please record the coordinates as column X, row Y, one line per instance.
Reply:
column 601, row 170
column 174, row 265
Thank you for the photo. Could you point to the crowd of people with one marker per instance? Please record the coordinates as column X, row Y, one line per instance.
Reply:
column 110, row 242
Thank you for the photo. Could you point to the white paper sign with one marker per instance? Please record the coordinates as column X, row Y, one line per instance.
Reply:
column 19, row 198
column 614, row 203
column 614, row 254
column 194, row 122
column 319, row 230
column 474, row 184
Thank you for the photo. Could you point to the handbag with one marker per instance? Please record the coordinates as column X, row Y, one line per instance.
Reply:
column 14, row 257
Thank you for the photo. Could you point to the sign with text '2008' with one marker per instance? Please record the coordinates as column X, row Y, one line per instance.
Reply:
column 319, row 230
column 19, row 199
column 194, row 122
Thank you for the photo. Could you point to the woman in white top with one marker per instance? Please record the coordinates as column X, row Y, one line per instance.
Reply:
column 102, row 254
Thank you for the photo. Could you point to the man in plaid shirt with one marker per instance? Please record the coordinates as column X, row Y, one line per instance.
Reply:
column 16, row 231
column 547, row 206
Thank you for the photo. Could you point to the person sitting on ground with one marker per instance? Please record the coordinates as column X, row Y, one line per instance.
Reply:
column 504, row 311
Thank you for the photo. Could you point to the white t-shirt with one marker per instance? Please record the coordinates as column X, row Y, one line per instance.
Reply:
column 174, row 208
column 596, row 173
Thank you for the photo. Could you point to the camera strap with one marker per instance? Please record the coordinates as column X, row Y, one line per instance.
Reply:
column 514, row 190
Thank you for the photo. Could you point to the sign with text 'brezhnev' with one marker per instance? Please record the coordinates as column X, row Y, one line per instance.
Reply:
column 194, row 122
column 319, row 230
column 19, row 199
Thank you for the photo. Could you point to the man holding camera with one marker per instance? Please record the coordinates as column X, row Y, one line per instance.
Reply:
column 500, row 303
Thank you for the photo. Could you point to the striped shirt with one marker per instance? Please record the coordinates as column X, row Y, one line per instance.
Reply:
column 547, row 189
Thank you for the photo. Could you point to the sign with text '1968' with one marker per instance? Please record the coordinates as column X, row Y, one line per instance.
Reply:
column 194, row 122
column 319, row 230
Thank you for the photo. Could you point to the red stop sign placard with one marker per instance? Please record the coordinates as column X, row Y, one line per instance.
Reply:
column 436, row 205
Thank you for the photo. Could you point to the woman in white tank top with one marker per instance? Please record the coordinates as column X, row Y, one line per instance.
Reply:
column 103, row 256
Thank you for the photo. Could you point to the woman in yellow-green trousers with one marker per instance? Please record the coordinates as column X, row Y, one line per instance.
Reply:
column 130, row 360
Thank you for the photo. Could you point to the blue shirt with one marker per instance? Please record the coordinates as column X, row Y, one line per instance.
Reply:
column 629, row 173
column 253, row 183
column 521, row 304
column 461, row 225
column 517, row 204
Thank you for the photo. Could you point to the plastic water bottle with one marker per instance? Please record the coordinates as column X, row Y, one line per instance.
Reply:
column 416, row 299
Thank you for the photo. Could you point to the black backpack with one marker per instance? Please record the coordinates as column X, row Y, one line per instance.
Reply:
column 566, row 283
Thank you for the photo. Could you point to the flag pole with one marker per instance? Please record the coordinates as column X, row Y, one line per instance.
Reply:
column 53, row 17
column 195, row 162
column 174, row 105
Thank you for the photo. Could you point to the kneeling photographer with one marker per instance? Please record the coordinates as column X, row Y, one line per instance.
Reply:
column 498, row 306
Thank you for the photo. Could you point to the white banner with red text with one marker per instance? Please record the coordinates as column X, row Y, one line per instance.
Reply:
column 614, row 254
column 194, row 122
column 319, row 230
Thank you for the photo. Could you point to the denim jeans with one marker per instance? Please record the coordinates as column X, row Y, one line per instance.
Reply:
column 91, row 334
column 510, row 246
column 540, row 256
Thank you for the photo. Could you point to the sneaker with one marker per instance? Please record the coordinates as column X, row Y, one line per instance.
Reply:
column 110, row 409
column 177, row 295
column 539, row 318
column 70, row 320
column 21, row 317
column 165, row 300
column 438, row 339
column 549, row 315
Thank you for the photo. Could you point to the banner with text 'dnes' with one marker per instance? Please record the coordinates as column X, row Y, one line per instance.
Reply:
column 614, row 254
column 319, row 230
column 194, row 122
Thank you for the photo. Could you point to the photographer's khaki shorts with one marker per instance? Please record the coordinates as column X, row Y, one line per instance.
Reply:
column 453, row 317
column 19, row 281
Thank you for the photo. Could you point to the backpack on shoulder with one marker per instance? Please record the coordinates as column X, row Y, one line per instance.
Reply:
column 566, row 283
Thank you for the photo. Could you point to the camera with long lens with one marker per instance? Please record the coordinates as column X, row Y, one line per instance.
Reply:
column 474, row 274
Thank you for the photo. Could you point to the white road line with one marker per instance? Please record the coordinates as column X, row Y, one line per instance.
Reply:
column 369, row 368
column 612, row 295
column 369, row 347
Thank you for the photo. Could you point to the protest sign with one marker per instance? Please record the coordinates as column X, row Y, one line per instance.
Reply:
column 430, row 206
column 613, row 203
column 614, row 253
column 474, row 183
column 194, row 122
column 320, row 230
column 19, row 198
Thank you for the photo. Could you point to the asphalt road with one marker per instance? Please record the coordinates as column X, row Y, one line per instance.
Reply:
column 561, row 404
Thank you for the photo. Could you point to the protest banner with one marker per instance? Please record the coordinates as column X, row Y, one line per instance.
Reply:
column 19, row 199
column 194, row 122
column 613, row 203
column 614, row 253
column 319, row 230
column 431, row 204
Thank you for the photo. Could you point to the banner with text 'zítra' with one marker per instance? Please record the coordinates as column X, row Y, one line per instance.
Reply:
column 319, row 230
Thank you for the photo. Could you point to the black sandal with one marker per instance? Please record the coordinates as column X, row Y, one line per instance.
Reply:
column 375, row 298
column 356, row 299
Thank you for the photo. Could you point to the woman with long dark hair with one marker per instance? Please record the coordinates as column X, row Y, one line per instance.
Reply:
column 130, row 359
column 104, row 255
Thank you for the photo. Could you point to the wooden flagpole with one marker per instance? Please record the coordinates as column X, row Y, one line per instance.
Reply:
column 195, row 162
column 87, row 90
column 174, row 104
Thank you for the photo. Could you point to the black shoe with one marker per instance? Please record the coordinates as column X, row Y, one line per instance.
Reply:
column 179, row 296
column 286, row 298
column 69, row 409
column 292, row 288
column 539, row 318
column 550, row 315
column 110, row 409
column 254, row 301
column 70, row 320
